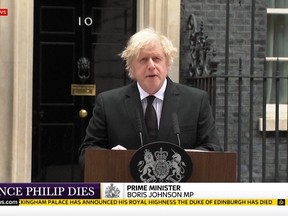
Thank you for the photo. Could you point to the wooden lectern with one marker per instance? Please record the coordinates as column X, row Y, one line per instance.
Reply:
column 114, row 166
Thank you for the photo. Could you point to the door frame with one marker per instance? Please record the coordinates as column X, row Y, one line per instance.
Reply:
column 18, row 137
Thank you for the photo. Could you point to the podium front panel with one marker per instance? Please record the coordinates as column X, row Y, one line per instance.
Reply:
column 114, row 166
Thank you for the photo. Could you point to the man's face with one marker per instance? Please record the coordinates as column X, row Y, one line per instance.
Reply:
column 150, row 68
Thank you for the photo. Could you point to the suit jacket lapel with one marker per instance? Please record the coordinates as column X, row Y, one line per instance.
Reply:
column 133, row 105
column 170, row 105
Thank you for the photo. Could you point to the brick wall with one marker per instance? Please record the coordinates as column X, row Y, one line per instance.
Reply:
column 213, row 15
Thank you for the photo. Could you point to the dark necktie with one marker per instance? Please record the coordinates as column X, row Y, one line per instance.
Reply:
column 151, row 119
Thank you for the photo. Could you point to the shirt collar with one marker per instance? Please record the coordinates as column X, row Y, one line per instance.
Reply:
column 159, row 94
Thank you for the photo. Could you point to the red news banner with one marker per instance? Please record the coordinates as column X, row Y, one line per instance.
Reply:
column 3, row 12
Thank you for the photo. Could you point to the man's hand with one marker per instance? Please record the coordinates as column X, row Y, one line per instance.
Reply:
column 119, row 147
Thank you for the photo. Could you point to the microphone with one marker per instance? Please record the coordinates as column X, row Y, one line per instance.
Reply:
column 139, row 126
column 176, row 127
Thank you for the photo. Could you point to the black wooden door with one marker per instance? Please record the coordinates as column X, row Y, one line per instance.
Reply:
column 76, row 42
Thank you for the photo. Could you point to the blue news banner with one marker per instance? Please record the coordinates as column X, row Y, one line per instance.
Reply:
column 15, row 194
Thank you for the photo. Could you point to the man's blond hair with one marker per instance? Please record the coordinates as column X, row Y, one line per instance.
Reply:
column 143, row 38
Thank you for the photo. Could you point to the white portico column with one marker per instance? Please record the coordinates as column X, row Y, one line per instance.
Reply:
column 16, row 54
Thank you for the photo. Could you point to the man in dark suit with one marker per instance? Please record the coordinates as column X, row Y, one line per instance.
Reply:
column 119, row 114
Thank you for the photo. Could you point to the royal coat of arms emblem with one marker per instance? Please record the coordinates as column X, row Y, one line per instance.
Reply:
column 161, row 162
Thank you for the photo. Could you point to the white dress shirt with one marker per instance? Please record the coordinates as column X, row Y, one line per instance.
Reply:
column 158, row 101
